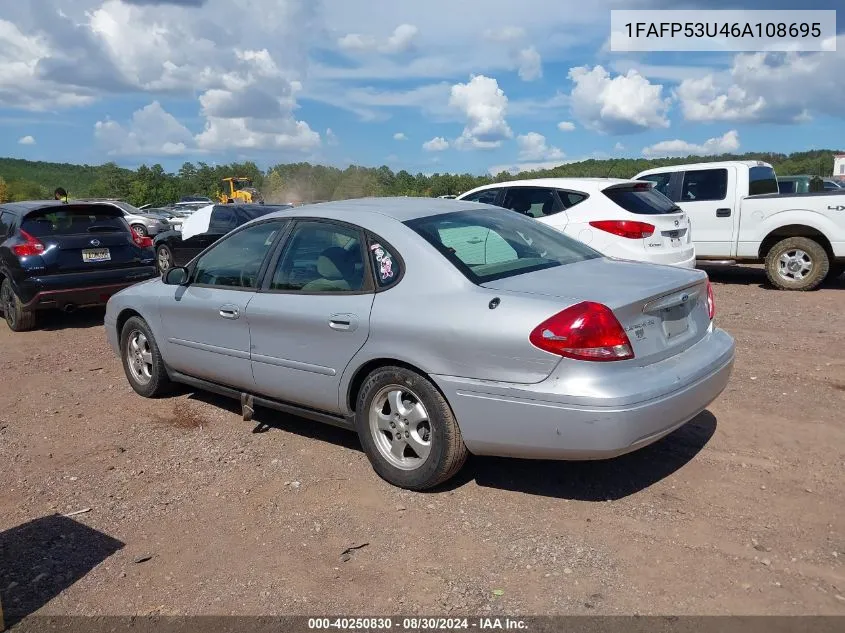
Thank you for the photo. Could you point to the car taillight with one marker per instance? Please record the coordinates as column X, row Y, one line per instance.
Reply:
column 142, row 240
column 31, row 246
column 586, row 331
column 625, row 228
column 711, row 302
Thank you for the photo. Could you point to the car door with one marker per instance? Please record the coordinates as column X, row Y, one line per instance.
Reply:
column 709, row 198
column 312, row 314
column 205, row 323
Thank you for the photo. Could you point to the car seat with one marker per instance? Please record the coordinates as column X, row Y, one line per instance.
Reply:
column 522, row 205
column 548, row 207
column 336, row 268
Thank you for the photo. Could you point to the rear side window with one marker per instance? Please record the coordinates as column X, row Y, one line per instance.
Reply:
column 5, row 224
column 762, row 180
column 642, row 200
column 385, row 264
column 488, row 196
column 661, row 181
column 705, row 184
column 536, row 202
column 786, row 186
column 227, row 217
column 74, row 221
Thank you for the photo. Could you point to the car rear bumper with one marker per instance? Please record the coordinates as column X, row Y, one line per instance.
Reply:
column 683, row 256
column 547, row 421
column 79, row 289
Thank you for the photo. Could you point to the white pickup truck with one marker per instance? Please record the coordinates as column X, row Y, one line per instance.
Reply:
column 737, row 215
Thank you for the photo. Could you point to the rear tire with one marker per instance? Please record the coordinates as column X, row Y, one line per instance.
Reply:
column 17, row 318
column 164, row 259
column 408, row 430
column 142, row 361
column 797, row 263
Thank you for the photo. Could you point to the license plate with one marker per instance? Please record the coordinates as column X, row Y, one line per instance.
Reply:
column 675, row 242
column 96, row 255
column 675, row 327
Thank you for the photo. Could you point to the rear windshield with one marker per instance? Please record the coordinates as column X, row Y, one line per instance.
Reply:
column 762, row 180
column 73, row 221
column 642, row 200
column 491, row 244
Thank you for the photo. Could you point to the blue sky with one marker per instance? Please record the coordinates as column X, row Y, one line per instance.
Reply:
column 492, row 85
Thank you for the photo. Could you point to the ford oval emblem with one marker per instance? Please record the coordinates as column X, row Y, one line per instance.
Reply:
column 95, row 242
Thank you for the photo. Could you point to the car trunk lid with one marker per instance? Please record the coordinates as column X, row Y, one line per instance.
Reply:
column 663, row 309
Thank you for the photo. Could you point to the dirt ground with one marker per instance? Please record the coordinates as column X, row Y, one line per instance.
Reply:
column 194, row 511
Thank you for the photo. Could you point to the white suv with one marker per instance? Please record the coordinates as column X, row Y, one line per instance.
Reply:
column 625, row 219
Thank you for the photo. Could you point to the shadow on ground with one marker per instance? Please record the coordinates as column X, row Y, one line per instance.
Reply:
column 42, row 558
column 755, row 276
column 52, row 320
column 583, row 480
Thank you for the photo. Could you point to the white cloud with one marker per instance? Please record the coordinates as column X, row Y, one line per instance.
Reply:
column 505, row 34
column 768, row 87
column 151, row 132
column 530, row 64
column 485, row 107
column 400, row 41
column 533, row 147
column 331, row 137
column 242, row 133
column 566, row 126
column 400, row 136
column 26, row 140
column 437, row 144
column 617, row 105
column 619, row 147
column 728, row 142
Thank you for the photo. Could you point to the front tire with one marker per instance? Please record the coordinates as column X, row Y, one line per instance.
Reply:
column 17, row 318
column 142, row 361
column 408, row 430
column 797, row 263
column 140, row 230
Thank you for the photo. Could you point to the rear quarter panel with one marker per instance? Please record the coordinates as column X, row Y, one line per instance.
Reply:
column 762, row 215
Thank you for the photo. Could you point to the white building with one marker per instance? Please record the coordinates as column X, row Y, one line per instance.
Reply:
column 839, row 166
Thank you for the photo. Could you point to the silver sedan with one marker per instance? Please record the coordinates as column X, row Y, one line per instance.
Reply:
column 434, row 329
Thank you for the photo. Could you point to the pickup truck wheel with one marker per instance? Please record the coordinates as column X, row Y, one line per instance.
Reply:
column 797, row 263
column 408, row 430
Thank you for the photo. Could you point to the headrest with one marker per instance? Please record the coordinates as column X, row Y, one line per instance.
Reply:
column 334, row 264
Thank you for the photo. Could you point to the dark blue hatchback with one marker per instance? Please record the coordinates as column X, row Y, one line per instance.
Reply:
column 63, row 256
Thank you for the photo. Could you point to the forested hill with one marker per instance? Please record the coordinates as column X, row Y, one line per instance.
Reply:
column 304, row 182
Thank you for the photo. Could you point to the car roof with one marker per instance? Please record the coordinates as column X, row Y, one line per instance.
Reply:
column 711, row 165
column 29, row 206
column 583, row 184
column 401, row 209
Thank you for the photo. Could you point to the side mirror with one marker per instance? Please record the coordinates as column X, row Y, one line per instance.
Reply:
column 177, row 276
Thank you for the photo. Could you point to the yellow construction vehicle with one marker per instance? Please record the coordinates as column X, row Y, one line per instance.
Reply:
column 240, row 190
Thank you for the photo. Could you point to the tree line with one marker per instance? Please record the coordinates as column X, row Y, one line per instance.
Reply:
column 304, row 182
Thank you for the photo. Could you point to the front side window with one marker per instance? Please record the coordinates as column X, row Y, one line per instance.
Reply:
column 236, row 261
column 487, row 196
column 536, row 202
column 661, row 181
column 5, row 224
column 321, row 257
column 705, row 184
column 488, row 245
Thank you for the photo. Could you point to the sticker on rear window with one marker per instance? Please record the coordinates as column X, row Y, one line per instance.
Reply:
column 384, row 264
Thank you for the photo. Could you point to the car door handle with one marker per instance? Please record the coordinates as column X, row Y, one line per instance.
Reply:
column 343, row 322
column 723, row 213
column 230, row 312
